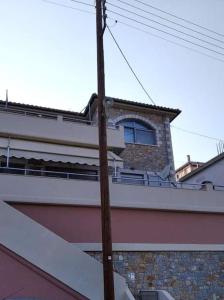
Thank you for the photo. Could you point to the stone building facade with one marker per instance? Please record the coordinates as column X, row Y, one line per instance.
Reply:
column 185, row 275
column 140, row 156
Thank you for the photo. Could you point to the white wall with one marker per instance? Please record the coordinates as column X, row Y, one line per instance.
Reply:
column 214, row 173
column 34, row 189
column 57, row 131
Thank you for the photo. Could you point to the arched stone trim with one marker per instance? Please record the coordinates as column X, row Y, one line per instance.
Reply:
column 140, row 118
column 133, row 116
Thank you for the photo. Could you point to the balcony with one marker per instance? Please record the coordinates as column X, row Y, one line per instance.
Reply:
column 83, row 189
column 57, row 130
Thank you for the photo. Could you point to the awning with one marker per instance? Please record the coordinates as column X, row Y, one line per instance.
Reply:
column 90, row 160
column 56, row 153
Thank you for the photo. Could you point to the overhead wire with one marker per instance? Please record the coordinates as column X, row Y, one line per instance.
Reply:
column 165, row 32
column 180, row 18
column 83, row 3
column 136, row 28
column 168, row 20
column 165, row 39
column 131, row 26
column 196, row 133
column 184, row 130
column 67, row 6
column 164, row 25
column 130, row 67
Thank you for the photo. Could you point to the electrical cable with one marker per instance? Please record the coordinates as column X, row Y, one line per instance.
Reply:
column 67, row 6
column 175, row 127
column 172, row 126
column 182, row 19
column 130, row 67
column 196, row 133
column 164, row 25
column 136, row 28
column 168, row 20
column 167, row 40
column 83, row 3
column 165, row 32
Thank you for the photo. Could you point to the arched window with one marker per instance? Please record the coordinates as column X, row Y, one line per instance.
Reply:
column 138, row 132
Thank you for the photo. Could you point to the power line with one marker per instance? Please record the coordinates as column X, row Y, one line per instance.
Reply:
column 168, row 20
column 165, row 32
column 67, row 6
column 134, row 27
column 175, row 127
column 196, row 133
column 184, row 130
column 169, row 41
column 182, row 19
column 130, row 67
column 164, row 25
column 83, row 3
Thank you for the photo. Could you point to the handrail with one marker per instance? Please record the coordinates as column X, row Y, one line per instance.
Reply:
column 218, row 187
column 27, row 113
column 68, row 174
column 43, row 115
column 117, row 179
column 50, row 116
column 161, row 183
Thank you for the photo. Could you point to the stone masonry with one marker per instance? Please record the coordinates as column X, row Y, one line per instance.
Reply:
column 185, row 275
column 145, row 157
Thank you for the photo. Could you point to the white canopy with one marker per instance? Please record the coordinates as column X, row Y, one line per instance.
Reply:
column 55, row 152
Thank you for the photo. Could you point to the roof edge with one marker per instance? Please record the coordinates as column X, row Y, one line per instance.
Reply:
column 203, row 167
column 187, row 164
column 173, row 111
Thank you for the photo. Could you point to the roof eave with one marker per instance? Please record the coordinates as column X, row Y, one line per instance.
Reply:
column 203, row 167
column 173, row 113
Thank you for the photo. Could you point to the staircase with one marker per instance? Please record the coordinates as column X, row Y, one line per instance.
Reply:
column 55, row 256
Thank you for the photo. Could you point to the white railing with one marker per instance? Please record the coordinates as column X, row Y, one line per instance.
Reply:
column 219, row 188
column 40, row 172
column 115, row 179
column 43, row 115
column 163, row 183
column 71, row 119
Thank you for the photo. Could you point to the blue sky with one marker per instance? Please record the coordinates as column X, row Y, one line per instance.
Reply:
column 48, row 58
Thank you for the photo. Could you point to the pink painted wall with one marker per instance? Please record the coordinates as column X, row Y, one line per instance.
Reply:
column 18, row 278
column 82, row 224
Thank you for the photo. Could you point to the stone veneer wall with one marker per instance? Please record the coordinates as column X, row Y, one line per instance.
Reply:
column 146, row 157
column 185, row 275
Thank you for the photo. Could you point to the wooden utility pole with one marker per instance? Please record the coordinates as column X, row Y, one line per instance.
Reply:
column 104, row 180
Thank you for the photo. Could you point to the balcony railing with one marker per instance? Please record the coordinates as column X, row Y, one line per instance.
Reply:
column 39, row 115
column 44, row 115
column 56, row 174
column 86, row 175
column 57, row 129
column 165, row 184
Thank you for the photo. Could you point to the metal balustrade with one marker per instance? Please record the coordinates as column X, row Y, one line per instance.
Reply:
column 115, row 179
column 219, row 188
column 71, row 119
column 44, row 115
column 163, row 183
column 56, row 174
